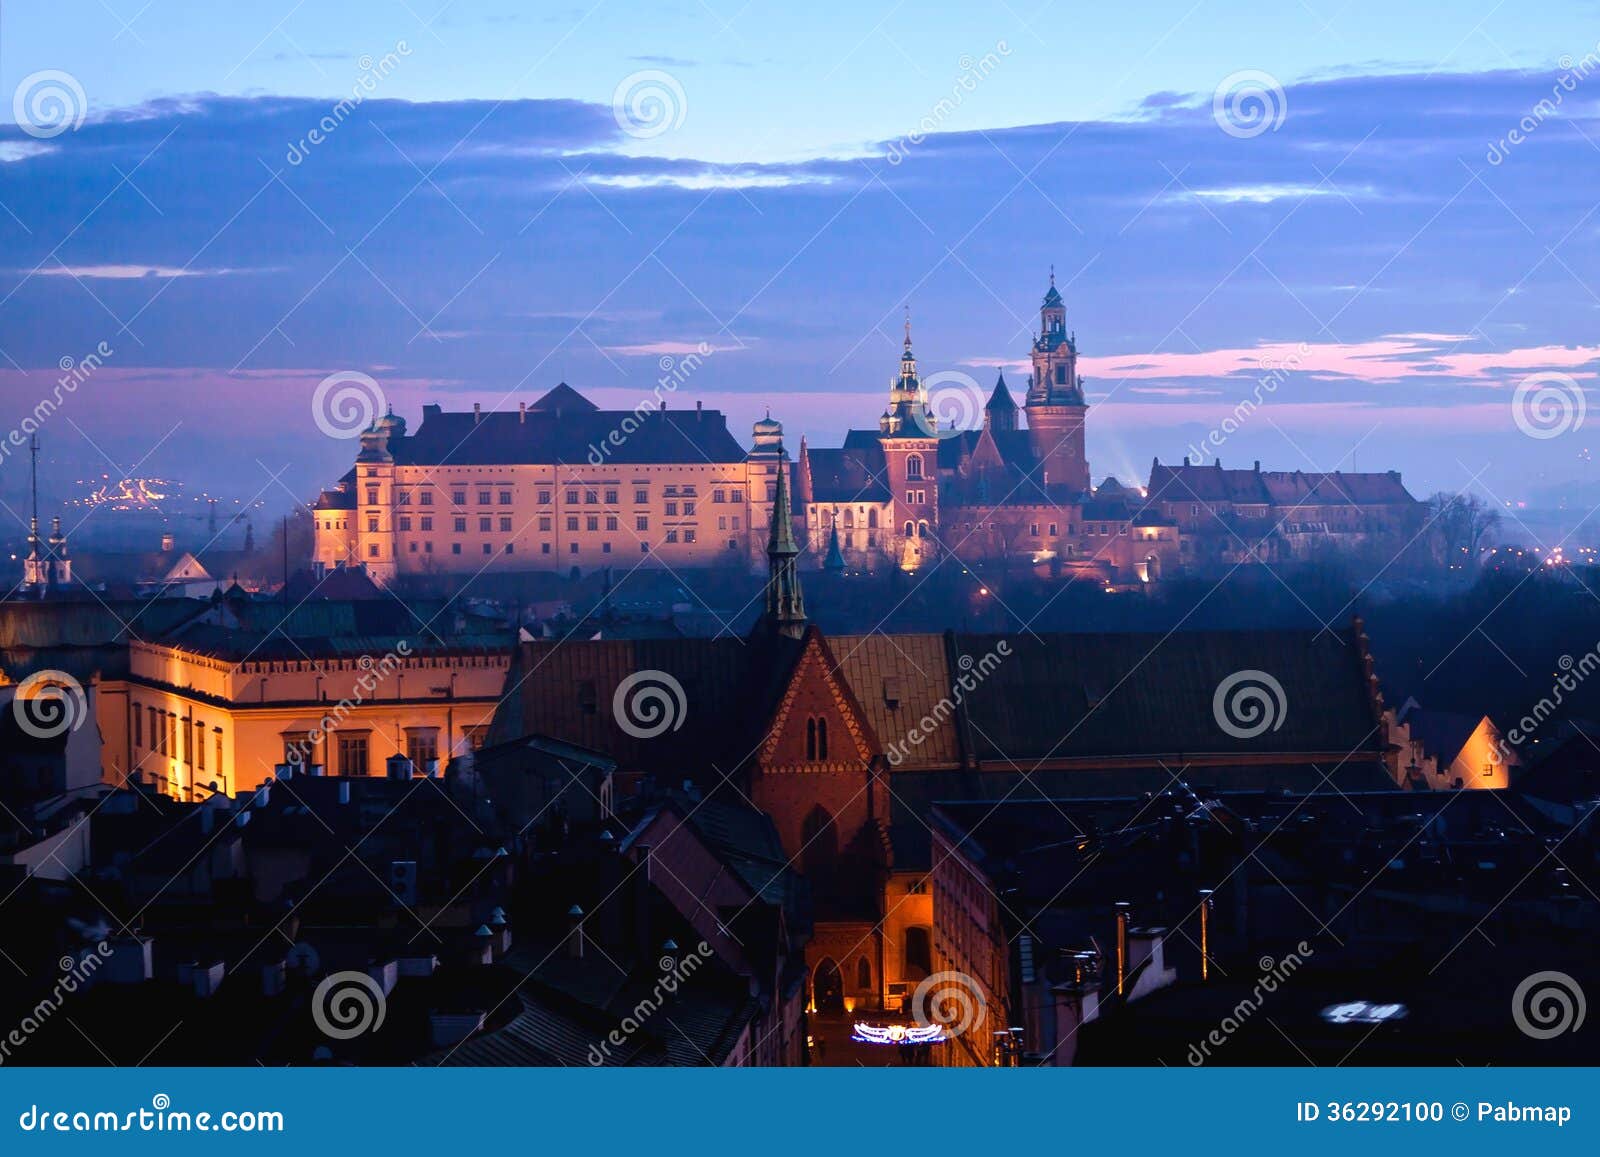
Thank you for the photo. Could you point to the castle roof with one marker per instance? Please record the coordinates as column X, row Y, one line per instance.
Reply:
column 565, row 427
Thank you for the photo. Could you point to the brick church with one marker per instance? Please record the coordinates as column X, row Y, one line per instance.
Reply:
column 847, row 742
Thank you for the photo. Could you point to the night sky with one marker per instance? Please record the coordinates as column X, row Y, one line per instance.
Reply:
column 493, row 216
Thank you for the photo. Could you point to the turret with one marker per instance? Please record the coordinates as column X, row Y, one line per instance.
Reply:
column 786, row 608
column 1001, row 411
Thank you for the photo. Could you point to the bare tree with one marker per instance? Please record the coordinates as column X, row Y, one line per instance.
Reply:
column 1459, row 526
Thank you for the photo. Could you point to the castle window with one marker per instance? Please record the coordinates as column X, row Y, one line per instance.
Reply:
column 426, row 498
column 572, row 522
column 911, row 529
column 544, row 497
column 405, row 522
column 461, row 526
column 914, row 467
column 736, row 496
column 372, row 496
column 872, row 519
column 592, row 522
column 505, row 498
column 483, row 525
column 403, row 498
column 572, row 497
column 672, row 508
column 688, row 508
column 483, row 497
column 736, row 522
column 427, row 522
column 1061, row 375
column 611, row 522
column 672, row 536
column 572, row 548
column 863, row 975
column 412, row 547
column 849, row 518
column 611, row 497
column 640, row 497
column 605, row 548
column 1033, row 529
column 138, row 726
column 641, row 522
column 455, row 548
column 1052, row 530
column 544, row 548
column 487, row 548
column 372, row 550
column 718, row 496
column 505, row 525
column 922, row 530
column 590, row 497
column 688, row 536
column 459, row 497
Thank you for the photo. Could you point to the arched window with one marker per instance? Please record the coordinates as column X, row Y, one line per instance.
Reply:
column 864, row 975
column 849, row 518
column 911, row 529
column 914, row 467
column 811, row 739
column 922, row 530
column 822, row 739
column 872, row 518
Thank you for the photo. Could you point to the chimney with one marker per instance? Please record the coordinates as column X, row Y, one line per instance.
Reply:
column 522, row 412
column 1258, row 466
column 575, row 935
column 1122, row 946
column 166, row 543
column 697, row 410
column 477, row 413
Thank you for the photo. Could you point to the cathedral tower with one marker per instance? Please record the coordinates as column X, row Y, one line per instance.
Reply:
column 1055, row 405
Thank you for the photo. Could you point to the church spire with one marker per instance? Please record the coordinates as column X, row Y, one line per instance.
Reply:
column 786, row 608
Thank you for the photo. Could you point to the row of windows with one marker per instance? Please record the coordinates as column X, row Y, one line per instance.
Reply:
column 162, row 733
column 588, row 497
column 685, row 536
column 486, row 524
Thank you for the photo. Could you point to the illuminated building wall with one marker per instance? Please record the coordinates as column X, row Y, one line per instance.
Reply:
column 185, row 721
